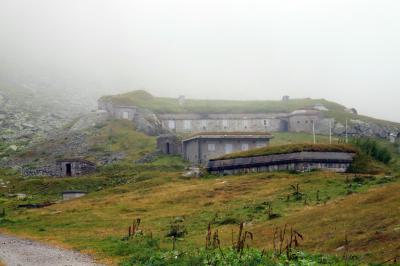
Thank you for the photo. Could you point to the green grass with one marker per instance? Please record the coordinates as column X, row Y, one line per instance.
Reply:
column 283, row 138
column 99, row 220
column 327, row 206
column 103, row 140
column 170, row 105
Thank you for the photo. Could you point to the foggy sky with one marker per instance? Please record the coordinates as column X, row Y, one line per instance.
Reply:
column 342, row 50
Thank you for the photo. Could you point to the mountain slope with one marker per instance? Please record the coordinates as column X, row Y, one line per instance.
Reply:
column 363, row 206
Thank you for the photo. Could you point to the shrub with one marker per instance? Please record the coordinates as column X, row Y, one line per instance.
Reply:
column 373, row 148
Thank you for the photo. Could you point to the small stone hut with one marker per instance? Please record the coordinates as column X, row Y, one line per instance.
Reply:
column 200, row 148
column 74, row 167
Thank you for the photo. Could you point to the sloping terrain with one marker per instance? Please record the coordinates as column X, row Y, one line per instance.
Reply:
column 30, row 112
column 324, row 207
column 105, row 142
column 327, row 206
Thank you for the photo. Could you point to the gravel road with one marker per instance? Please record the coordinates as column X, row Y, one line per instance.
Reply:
column 20, row 252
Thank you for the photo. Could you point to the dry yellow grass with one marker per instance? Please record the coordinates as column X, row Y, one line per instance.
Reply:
column 85, row 223
column 371, row 221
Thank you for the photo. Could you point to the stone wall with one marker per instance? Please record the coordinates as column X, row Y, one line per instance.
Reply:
column 59, row 169
column 41, row 171
column 74, row 167
column 300, row 161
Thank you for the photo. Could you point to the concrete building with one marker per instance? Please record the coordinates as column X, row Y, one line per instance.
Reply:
column 72, row 194
column 393, row 137
column 118, row 111
column 74, row 167
column 169, row 144
column 303, row 120
column 200, row 148
column 154, row 123
column 192, row 122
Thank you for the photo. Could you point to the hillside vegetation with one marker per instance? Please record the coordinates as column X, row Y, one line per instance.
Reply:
column 325, row 208
column 108, row 141
column 321, row 208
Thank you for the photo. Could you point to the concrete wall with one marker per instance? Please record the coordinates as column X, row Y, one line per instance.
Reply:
column 119, row 112
column 200, row 151
column 169, row 144
column 303, row 123
column 191, row 151
column 227, row 125
column 151, row 123
column 300, row 161
column 334, row 167
column 72, row 195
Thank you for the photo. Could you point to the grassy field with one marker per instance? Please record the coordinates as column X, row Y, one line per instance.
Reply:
column 326, row 208
column 283, row 138
column 101, row 219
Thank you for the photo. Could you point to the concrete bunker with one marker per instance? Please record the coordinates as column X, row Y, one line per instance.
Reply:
column 296, row 161
column 200, row 148
column 72, row 194
column 169, row 144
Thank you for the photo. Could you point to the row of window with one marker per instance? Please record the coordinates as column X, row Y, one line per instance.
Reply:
column 306, row 121
column 229, row 146
column 187, row 124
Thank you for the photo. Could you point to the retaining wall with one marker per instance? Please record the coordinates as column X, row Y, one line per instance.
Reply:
column 299, row 161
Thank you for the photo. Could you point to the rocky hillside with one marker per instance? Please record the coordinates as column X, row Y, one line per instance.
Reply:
column 30, row 112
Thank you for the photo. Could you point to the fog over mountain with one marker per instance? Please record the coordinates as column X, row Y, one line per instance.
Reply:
column 341, row 50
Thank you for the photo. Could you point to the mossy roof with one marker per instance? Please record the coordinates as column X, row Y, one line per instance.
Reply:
column 291, row 148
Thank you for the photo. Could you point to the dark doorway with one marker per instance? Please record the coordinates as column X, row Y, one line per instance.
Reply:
column 68, row 171
column 285, row 126
column 167, row 148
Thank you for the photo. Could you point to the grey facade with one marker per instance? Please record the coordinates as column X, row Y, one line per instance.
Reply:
column 199, row 149
column 299, row 161
column 74, row 167
column 303, row 120
column 116, row 111
column 181, row 123
column 192, row 123
column 169, row 144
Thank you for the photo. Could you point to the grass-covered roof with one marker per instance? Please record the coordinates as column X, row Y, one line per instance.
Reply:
column 162, row 105
column 291, row 148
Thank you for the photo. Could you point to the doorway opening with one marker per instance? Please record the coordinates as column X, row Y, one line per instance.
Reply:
column 167, row 148
column 68, row 169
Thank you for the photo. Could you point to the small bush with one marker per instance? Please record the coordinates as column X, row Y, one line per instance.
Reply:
column 373, row 148
column 228, row 220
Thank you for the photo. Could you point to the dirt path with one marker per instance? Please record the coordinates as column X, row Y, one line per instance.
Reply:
column 20, row 252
